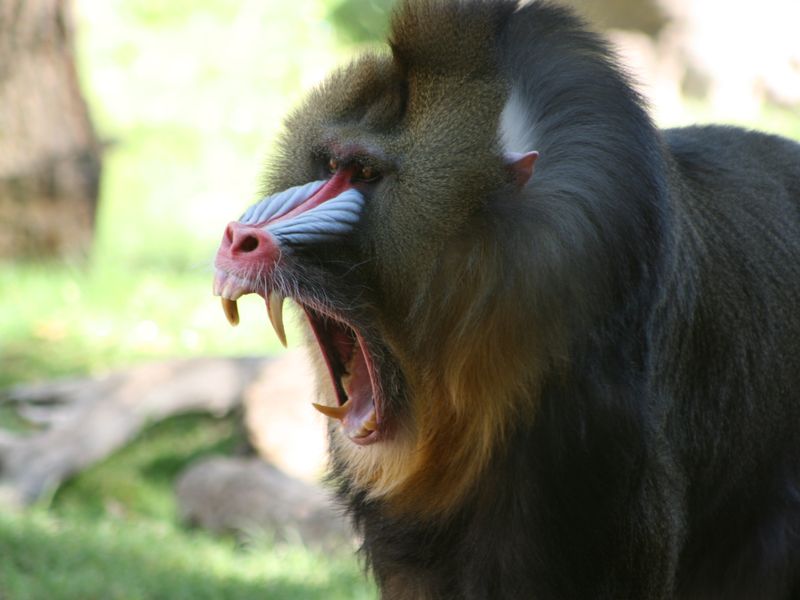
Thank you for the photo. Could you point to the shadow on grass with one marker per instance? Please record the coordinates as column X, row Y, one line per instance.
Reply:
column 41, row 557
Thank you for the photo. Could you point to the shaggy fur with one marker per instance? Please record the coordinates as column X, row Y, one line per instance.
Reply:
column 590, row 383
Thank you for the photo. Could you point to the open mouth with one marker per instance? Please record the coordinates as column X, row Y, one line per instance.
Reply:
column 353, row 376
column 348, row 358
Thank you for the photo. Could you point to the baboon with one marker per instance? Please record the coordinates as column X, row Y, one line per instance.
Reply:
column 560, row 348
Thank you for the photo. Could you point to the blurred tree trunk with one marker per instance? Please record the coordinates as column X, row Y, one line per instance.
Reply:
column 49, row 153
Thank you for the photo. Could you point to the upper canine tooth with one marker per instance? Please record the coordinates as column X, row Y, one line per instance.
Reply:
column 231, row 310
column 232, row 291
column 345, row 379
column 275, row 312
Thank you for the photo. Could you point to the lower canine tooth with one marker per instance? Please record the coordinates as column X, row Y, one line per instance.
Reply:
column 370, row 424
column 334, row 412
column 231, row 310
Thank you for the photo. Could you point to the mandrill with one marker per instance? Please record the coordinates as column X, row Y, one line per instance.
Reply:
column 560, row 348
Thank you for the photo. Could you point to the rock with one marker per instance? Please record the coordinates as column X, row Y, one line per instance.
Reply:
column 281, row 424
column 246, row 495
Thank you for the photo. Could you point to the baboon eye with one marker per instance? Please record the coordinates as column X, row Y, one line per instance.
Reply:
column 366, row 173
column 333, row 165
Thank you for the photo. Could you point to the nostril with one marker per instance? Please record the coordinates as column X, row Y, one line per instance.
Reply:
column 248, row 243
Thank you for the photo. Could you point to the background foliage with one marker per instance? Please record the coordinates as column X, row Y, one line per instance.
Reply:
column 187, row 95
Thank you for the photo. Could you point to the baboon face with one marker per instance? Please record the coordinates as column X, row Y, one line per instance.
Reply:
column 379, row 226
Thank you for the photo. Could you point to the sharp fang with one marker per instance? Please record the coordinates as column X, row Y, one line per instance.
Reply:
column 231, row 311
column 275, row 312
column 334, row 412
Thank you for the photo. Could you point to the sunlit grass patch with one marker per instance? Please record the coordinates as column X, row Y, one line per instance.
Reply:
column 44, row 556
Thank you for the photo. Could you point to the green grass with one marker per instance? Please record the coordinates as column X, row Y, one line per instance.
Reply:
column 137, row 482
column 188, row 95
column 43, row 557
column 59, row 320
column 112, row 533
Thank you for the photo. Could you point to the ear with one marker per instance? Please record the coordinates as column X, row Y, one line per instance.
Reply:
column 520, row 166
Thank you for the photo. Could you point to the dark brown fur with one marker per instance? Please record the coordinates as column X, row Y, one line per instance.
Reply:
column 591, row 381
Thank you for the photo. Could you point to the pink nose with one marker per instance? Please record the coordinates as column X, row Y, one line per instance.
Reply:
column 244, row 245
